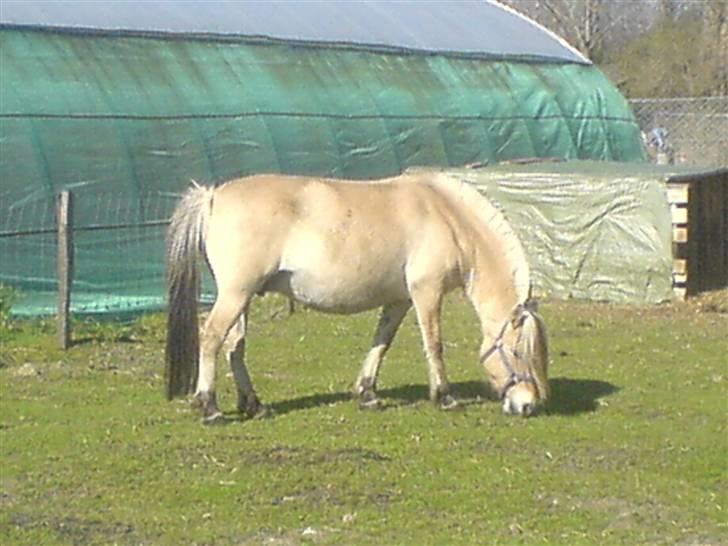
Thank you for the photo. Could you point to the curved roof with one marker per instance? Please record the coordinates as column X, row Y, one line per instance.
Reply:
column 479, row 27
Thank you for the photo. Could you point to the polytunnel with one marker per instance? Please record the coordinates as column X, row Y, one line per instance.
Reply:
column 122, row 103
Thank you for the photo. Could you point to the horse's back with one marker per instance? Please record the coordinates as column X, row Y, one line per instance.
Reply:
column 347, row 212
column 336, row 245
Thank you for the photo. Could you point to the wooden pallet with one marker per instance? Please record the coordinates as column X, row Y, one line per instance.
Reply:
column 678, row 195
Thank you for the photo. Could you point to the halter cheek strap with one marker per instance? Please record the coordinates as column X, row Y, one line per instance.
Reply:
column 513, row 377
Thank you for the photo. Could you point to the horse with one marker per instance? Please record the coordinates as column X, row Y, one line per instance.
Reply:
column 343, row 246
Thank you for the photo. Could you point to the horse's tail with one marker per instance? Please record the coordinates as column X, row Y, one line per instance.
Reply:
column 185, row 243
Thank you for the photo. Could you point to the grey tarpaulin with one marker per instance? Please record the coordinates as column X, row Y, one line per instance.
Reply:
column 591, row 230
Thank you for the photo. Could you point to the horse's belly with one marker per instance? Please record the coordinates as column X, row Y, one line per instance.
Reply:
column 342, row 293
column 342, row 264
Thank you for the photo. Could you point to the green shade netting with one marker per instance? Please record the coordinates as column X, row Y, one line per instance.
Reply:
column 125, row 123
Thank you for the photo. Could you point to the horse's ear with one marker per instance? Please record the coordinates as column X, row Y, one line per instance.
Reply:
column 518, row 315
column 521, row 311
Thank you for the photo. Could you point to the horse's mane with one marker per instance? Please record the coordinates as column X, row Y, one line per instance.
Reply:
column 534, row 347
column 485, row 213
column 532, row 344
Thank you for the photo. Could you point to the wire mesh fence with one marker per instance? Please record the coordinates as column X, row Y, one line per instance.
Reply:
column 118, row 248
column 689, row 131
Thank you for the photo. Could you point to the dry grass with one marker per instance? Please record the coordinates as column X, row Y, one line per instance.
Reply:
column 714, row 301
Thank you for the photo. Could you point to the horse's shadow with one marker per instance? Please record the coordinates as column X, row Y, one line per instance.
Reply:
column 574, row 396
column 308, row 402
column 568, row 396
column 468, row 393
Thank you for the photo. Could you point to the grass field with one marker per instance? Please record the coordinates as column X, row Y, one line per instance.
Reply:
column 632, row 450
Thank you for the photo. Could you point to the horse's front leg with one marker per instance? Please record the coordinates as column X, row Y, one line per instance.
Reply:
column 428, row 303
column 389, row 321
column 223, row 315
column 234, row 349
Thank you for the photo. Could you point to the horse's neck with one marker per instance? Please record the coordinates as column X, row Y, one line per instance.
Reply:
column 499, row 275
column 499, row 281
column 494, row 249
column 493, row 300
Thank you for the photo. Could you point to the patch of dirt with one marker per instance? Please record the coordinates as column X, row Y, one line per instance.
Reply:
column 7, row 500
column 78, row 531
column 701, row 540
column 307, row 535
column 714, row 301
column 311, row 496
column 712, row 304
column 303, row 456
column 610, row 460
column 27, row 370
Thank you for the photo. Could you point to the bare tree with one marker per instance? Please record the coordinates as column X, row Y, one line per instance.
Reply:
column 715, row 42
column 647, row 47
column 579, row 20
column 668, row 9
column 591, row 26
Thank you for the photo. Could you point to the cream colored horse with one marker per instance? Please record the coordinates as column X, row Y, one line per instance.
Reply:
column 345, row 247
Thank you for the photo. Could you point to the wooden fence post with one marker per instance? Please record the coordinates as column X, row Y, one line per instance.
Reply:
column 64, row 224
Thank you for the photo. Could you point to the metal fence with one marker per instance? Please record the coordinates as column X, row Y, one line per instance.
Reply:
column 115, row 251
column 688, row 131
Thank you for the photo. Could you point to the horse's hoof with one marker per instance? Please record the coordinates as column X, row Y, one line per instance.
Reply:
column 254, row 409
column 368, row 400
column 371, row 404
column 216, row 418
column 262, row 412
column 448, row 403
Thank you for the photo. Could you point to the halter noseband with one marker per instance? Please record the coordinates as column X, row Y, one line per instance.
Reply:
column 514, row 377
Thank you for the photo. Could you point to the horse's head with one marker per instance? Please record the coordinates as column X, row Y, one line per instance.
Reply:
column 517, row 360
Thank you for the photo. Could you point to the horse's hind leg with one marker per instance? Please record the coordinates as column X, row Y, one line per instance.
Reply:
column 428, row 302
column 234, row 349
column 389, row 321
column 226, row 311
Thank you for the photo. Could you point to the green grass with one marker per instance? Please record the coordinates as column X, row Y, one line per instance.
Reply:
column 631, row 451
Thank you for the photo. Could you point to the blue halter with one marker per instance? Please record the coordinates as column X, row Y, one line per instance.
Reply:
column 514, row 377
